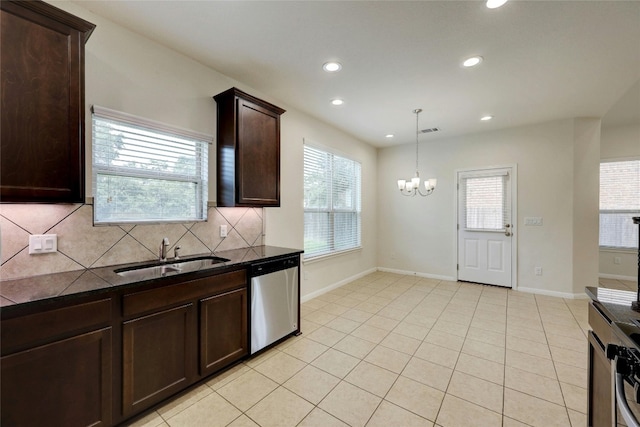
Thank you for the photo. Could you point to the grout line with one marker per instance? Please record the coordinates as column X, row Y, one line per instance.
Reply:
column 403, row 302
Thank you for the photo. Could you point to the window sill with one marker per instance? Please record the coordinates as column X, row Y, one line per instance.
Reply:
column 330, row 255
column 618, row 250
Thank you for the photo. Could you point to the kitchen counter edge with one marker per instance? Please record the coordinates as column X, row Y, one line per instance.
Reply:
column 615, row 303
column 48, row 288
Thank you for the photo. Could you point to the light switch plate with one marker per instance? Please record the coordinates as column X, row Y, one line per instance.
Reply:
column 533, row 220
column 43, row 243
column 223, row 231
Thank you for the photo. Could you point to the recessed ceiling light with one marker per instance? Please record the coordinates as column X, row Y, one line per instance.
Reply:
column 332, row 67
column 473, row 61
column 337, row 101
column 494, row 4
column 389, row 135
column 486, row 118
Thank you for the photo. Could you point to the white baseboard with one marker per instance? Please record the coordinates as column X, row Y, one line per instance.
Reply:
column 415, row 273
column 307, row 297
column 617, row 277
column 566, row 295
column 329, row 288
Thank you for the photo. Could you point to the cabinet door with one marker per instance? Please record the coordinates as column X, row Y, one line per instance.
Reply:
column 600, row 385
column 65, row 383
column 159, row 356
column 42, row 133
column 223, row 330
column 258, row 161
column 248, row 150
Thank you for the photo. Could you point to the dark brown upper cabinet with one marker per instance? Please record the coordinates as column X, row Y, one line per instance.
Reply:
column 248, row 156
column 42, row 125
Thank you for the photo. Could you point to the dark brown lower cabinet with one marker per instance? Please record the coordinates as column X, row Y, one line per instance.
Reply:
column 600, row 393
column 100, row 361
column 223, row 330
column 65, row 383
column 159, row 356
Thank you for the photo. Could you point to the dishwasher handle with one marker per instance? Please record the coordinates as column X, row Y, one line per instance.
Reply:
column 261, row 268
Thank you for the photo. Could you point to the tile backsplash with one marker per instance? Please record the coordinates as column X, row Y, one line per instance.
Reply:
column 81, row 245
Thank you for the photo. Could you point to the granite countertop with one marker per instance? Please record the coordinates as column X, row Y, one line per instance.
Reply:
column 617, row 303
column 95, row 280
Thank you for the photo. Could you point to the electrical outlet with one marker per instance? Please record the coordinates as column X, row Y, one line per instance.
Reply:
column 223, row 230
column 538, row 271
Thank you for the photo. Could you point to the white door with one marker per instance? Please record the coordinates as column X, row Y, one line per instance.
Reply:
column 485, row 229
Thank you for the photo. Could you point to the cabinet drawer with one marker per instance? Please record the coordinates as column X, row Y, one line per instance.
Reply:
column 153, row 299
column 600, row 324
column 35, row 329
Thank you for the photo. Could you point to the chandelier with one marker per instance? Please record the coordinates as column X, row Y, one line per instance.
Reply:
column 412, row 187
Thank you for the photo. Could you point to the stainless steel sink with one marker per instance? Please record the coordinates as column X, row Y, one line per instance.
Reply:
column 158, row 270
column 162, row 268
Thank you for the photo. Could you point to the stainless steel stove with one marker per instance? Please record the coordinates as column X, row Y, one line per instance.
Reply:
column 625, row 352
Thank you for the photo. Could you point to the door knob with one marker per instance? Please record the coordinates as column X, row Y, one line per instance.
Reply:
column 507, row 230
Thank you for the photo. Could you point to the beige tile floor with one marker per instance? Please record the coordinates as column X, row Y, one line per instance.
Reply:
column 393, row 350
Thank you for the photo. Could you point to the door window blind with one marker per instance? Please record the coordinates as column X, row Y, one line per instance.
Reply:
column 332, row 205
column 619, row 203
column 485, row 202
column 144, row 171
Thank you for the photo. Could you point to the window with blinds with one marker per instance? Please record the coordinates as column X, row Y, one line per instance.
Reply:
column 332, row 206
column 147, row 172
column 485, row 202
column 619, row 203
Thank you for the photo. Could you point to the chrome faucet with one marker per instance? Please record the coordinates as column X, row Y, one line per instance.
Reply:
column 163, row 249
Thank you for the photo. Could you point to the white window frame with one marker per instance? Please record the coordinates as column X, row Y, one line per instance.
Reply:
column 632, row 212
column 357, row 210
column 199, row 177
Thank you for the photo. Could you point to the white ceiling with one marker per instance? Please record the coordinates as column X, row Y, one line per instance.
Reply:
column 543, row 60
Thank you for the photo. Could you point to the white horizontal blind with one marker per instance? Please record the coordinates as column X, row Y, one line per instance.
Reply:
column 145, row 171
column 485, row 202
column 619, row 202
column 332, row 205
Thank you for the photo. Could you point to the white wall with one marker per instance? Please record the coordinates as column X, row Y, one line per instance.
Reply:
column 285, row 226
column 130, row 73
column 619, row 142
column 419, row 234
column 586, row 203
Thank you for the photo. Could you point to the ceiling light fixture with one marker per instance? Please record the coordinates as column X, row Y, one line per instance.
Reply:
column 389, row 135
column 494, row 4
column 472, row 62
column 332, row 67
column 337, row 101
column 486, row 118
column 412, row 187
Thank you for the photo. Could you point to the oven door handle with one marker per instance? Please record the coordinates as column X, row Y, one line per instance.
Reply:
column 623, row 405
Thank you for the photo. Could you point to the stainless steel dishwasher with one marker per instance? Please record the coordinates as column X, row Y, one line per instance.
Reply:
column 274, row 301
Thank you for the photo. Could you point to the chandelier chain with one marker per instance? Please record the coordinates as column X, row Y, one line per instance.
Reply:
column 411, row 187
column 417, row 114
